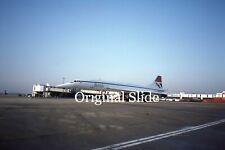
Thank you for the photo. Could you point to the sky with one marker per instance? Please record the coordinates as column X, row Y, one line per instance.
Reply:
column 128, row 41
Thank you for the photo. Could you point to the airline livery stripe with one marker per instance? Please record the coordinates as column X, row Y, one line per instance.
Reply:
column 159, row 136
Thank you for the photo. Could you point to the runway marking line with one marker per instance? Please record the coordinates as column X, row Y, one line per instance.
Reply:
column 159, row 136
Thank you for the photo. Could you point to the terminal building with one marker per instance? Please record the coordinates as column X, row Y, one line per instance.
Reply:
column 183, row 95
column 49, row 91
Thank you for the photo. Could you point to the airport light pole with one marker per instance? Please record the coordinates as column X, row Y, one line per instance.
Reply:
column 63, row 80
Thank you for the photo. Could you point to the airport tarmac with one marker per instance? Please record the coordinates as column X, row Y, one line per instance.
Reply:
column 42, row 124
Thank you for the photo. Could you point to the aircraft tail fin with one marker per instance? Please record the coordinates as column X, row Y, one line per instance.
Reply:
column 158, row 82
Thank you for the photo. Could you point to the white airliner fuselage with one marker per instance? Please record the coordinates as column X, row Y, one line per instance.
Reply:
column 77, row 85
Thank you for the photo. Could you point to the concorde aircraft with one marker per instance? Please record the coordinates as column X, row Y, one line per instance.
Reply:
column 155, row 88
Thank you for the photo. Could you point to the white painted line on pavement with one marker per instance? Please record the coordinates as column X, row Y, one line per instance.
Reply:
column 158, row 136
